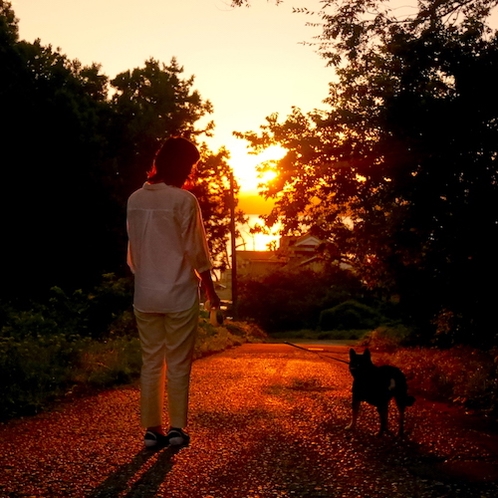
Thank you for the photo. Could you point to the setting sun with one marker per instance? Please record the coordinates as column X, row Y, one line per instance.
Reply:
column 244, row 166
column 245, row 169
column 244, row 77
column 250, row 202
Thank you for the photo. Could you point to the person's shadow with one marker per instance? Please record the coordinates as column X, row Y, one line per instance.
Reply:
column 146, row 485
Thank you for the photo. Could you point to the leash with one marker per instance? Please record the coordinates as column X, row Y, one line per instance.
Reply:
column 316, row 352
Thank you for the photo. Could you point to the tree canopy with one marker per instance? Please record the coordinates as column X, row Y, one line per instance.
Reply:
column 74, row 145
column 399, row 174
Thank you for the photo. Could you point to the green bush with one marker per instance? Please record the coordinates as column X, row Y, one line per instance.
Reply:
column 211, row 339
column 286, row 300
column 28, row 323
column 92, row 314
column 350, row 315
column 79, row 338
column 82, row 340
column 460, row 374
column 102, row 312
column 388, row 336
column 33, row 371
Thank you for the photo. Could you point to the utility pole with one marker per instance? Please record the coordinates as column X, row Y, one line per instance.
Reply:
column 233, row 247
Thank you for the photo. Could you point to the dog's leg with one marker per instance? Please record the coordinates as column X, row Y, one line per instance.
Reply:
column 401, row 418
column 356, row 410
column 383, row 411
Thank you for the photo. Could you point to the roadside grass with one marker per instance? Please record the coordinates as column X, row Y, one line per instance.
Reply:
column 118, row 361
column 462, row 375
column 40, row 370
column 213, row 339
column 459, row 374
column 46, row 364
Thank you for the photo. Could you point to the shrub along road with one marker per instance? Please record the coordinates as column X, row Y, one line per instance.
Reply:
column 267, row 420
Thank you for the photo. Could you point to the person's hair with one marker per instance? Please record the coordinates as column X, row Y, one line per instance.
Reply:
column 173, row 162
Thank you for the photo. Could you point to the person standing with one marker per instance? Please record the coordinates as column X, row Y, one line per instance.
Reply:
column 168, row 255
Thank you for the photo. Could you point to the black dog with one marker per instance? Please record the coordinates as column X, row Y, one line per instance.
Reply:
column 377, row 386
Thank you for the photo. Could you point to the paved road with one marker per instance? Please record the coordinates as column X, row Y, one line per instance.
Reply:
column 266, row 421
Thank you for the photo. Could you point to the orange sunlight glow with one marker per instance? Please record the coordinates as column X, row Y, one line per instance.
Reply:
column 250, row 202
column 244, row 166
column 248, row 241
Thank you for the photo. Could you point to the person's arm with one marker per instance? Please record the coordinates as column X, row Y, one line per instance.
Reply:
column 198, row 252
column 207, row 284
column 129, row 259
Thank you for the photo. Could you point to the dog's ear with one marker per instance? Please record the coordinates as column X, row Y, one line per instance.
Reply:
column 352, row 353
column 367, row 354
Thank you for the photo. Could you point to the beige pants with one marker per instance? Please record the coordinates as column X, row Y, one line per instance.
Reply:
column 167, row 347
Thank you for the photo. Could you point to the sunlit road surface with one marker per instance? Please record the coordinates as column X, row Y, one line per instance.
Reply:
column 266, row 420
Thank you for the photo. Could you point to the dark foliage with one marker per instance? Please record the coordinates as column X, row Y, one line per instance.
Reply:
column 400, row 174
column 71, row 155
column 350, row 315
column 292, row 300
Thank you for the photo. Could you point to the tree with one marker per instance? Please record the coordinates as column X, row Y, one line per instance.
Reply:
column 151, row 104
column 292, row 299
column 400, row 173
column 211, row 186
column 54, row 211
column 71, row 155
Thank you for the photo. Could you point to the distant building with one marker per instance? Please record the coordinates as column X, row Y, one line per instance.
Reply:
column 293, row 252
column 301, row 251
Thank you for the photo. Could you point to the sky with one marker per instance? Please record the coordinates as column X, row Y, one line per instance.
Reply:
column 249, row 62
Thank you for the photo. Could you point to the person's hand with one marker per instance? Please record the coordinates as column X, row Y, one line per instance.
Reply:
column 211, row 296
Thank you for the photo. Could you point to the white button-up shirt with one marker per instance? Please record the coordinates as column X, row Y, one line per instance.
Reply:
column 167, row 245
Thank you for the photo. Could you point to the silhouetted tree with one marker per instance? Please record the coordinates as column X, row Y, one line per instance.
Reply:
column 151, row 104
column 400, row 174
column 71, row 155
column 292, row 299
column 211, row 186
column 54, row 198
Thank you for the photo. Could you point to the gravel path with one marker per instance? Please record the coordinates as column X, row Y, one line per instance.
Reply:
column 266, row 421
